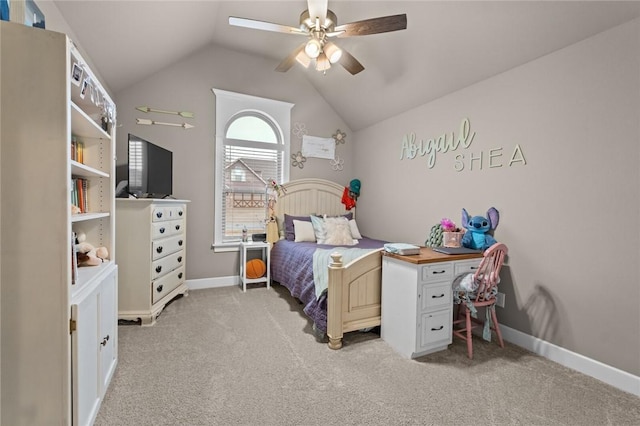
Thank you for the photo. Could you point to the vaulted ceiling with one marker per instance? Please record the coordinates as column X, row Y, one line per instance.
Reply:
column 447, row 45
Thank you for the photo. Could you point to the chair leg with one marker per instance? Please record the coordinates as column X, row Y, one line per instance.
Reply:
column 496, row 326
column 469, row 342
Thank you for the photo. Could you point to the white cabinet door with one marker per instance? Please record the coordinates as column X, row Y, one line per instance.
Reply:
column 84, row 358
column 108, row 329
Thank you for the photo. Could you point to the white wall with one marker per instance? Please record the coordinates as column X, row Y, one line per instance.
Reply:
column 186, row 86
column 570, row 216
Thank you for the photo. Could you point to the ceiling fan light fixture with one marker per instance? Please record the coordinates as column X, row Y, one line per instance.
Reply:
column 303, row 59
column 322, row 63
column 333, row 52
column 313, row 48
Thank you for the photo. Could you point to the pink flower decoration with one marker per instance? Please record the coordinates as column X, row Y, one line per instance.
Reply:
column 447, row 225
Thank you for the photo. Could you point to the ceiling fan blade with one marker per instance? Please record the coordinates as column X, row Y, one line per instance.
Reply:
column 350, row 63
column 288, row 62
column 384, row 24
column 263, row 25
column 317, row 9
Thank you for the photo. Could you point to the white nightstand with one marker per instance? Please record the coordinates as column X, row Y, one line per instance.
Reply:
column 265, row 249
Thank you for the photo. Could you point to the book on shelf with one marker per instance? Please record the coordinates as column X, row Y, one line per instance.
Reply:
column 79, row 190
column 77, row 150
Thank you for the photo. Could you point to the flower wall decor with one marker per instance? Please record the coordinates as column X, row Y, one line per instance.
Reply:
column 337, row 164
column 339, row 136
column 299, row 130
column 298, row 160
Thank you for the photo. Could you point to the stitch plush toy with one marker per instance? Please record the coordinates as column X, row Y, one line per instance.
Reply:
column 477, row 236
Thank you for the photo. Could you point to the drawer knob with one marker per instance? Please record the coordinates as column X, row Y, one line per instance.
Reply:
column 159, row 215
column 433, row 297
column 180, row 243
column 158, row 268
column 180, row 213
column 179, row 259
column 159, row 249
column 159, row 288
column 180, row 275
column 177, row 227
column 162, row 230
column 437, row 329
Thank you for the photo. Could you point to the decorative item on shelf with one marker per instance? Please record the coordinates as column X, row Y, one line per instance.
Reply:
column 337, row 164
column 451, row 234
column 299, row 130
column 298, row 160
column 150, row 122
column 339, row 136
column 478, row 227
column 434, row 239
column 89, row 255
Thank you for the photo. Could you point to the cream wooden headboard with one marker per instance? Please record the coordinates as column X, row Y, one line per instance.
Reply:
column 311, row 196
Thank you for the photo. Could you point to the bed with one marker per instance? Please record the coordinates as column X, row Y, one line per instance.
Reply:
column 353, row 289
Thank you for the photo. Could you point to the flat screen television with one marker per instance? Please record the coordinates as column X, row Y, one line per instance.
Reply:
column 150, row 171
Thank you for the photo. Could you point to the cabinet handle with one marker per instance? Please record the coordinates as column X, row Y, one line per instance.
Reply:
column 180, row 242
column 437, row 329
column 177, row 227
column 433, row 297
column 158, row 268
column 162, row 230
column 180, row 275
column 159, row 215
column 104, row 341
column 159, row 288
column 179, row 259
column 159, row 249
column 438, row 272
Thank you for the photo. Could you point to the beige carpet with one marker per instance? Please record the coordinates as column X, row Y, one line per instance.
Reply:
column 223, row 357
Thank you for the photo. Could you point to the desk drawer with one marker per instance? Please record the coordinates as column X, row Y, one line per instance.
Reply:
column 434, row 327
column 437, row 272
column 434, row 296
column 466, row 266
column 163, row 286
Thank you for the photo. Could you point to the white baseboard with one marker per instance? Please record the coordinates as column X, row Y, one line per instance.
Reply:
column 596, row 369
column 202, row 283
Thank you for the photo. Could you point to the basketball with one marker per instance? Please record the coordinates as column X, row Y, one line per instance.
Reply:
column 256, row 268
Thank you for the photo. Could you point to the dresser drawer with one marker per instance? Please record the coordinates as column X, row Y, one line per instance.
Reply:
column 163, row 286
column 166, row 246
column 435, row 296
column 168, row 228
column 436, row 272
column 434, row 327
column 163, row 213
column 466, row 266
column 166, row 264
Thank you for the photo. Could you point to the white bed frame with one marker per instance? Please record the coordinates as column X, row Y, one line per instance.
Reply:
column 354, row 289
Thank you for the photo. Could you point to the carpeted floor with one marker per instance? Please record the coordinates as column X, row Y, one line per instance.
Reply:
column 223, row 357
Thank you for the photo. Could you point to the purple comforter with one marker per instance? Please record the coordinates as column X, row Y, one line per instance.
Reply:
column 292, row 266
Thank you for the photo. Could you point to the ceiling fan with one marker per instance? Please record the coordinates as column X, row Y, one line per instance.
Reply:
column 320, row 25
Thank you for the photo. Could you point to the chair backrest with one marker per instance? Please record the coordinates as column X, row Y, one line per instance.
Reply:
column 488, row 274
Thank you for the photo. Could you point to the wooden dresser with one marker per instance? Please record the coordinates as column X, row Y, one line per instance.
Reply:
column 152, row 256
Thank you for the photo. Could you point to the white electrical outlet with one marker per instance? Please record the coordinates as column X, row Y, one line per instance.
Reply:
column 500, row 299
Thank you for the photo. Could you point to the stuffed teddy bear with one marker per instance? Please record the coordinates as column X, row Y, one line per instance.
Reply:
column 477, row 236
column 88, row 255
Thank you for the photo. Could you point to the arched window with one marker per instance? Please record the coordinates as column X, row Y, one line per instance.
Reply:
column 252, row 148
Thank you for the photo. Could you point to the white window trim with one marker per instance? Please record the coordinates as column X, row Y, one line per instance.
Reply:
column 229, row 105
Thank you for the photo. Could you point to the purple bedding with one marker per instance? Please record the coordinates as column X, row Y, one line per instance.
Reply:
column 292, row 266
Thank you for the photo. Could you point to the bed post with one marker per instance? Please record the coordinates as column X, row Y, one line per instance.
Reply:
column 334, row 302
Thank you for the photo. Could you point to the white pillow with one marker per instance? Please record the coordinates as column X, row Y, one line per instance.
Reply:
column 355, row 232
column 303, row 231
column 338, row 231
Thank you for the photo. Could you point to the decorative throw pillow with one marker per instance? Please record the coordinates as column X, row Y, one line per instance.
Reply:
column 303, row 231
column 355, row 232
column 319, row 229
column 289, row 232
column 338, row 231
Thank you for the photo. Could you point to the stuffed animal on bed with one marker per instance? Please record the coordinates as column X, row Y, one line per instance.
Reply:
column 477, row 236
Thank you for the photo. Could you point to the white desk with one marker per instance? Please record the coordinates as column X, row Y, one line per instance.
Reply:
column 417, row 310
column 265, row 250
